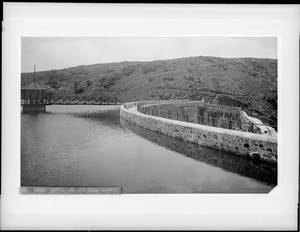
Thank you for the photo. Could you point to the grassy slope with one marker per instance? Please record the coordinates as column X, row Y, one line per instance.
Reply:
column 239, row 81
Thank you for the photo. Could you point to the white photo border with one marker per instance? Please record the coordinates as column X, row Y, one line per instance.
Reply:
column 274, row 211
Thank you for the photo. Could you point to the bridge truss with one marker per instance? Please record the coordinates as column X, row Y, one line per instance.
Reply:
column 73, row 101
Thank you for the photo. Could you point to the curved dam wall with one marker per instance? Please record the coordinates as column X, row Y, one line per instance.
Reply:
column 238, row 142
column 203, row 113
column 198, row 112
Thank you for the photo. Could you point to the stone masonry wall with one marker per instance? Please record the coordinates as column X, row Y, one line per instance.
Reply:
column 201, row 113
column 237, row 142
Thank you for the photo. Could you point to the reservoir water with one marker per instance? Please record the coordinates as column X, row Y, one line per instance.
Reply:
column 92, row 146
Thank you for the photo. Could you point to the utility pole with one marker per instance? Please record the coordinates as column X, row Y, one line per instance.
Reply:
column 34, row 75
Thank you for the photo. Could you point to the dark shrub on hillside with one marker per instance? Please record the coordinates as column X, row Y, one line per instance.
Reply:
column 254, row 74
column 77, row 88
column 109, row 80
column 223, row 66
column 168, row 79
column 151, row 78
column 78, row 91
column 189, row 78
column 128, row 70
column 88, row 83
column 272, row 100
column 48, row 94
column 53, row 83
column 147, row 69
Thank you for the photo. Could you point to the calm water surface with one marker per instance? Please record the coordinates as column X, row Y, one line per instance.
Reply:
column 92, row 146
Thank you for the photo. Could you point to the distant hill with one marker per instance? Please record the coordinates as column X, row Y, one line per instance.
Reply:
column 245, row 82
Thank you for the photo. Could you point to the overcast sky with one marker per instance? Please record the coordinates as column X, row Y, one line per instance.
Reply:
column 57, row 52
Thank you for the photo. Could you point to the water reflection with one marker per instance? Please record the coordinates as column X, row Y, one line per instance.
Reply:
column 260, row 171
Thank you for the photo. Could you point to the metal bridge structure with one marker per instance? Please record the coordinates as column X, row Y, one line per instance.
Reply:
column 72, row 101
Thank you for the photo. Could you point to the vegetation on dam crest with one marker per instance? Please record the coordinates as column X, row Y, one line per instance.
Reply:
column 245, row 82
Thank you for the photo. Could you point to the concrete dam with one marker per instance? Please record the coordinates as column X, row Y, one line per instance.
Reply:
column 221, row 127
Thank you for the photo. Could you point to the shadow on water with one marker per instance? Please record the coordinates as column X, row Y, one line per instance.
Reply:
column 109, row 117
column 243, row 166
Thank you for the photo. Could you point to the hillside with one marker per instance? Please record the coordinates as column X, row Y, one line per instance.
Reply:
column 245, row 82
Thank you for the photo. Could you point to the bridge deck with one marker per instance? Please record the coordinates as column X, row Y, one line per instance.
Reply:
column 72, row 101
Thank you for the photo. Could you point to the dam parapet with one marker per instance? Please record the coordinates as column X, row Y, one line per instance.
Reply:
column 201, row 123
column 204, row 113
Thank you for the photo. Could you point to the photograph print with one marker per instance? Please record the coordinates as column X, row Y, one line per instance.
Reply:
column 150, row 114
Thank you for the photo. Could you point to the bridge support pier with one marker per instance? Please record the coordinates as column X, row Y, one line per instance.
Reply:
column 34, row 108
